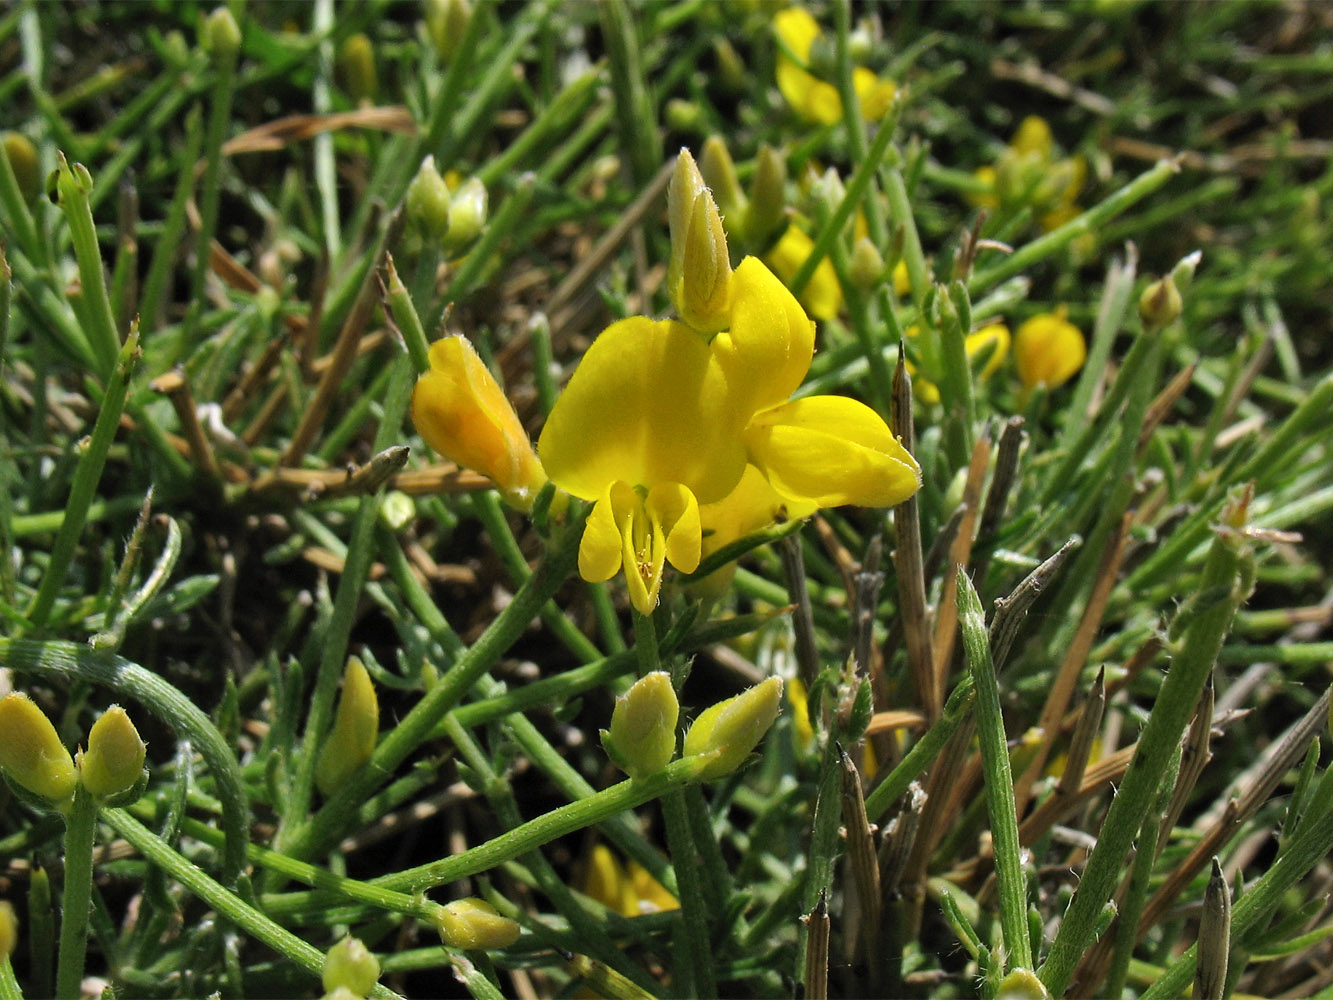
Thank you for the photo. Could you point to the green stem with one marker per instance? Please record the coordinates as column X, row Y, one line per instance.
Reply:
column 692, row 953
column 75, row 185
column 9, row 984
column 911, row 767
column 999, row 781
column 86, row 477
column 596, row 808
column 1228, row 571
column 80, row 825
column 244, row 916
column 323, row 829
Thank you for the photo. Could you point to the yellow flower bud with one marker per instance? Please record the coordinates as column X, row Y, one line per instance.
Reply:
column 642, row 737
column 31, row 754
column 428, row 201
column 355, row 728
column 114, row 759
column 1160, row 304
column 474, row 924
column 1048, row 350
column 221, row 35
column 467, row 214
column 1033, row 138
column 1022, row 984
column 699, row 274
column 9, row 930
column 356, row 67
column 734, row 727
column 23, row 161
column 462, row 412
column 446, row 22
column 350, row 965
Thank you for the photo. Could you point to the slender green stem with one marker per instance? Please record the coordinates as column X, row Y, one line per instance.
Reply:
column 9, row 984
column 999, row 781
column 86, row 477
column 232, row 907
column 80, row 825
column 168, row 241
column 75, row 185
column 911, row 767
column 566, row 819
column 692, row 954
column 1228, row 572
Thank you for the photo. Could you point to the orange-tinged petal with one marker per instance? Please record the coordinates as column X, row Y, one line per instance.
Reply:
column 1048, row 350
column 822, row 294
column 831, row 450
column 462, row 413
column 648, row 404
column 767, row 351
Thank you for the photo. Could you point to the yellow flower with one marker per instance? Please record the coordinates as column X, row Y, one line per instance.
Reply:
column 356, row 727
column 1048, row 350
column 1029, row 173
column 462, row 412
column 658, row 420
column 810, row 97
column 628, row 889
column 822, row 295
column 993, row 338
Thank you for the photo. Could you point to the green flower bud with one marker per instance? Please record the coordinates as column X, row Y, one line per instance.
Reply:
column 428, row 201
column 356, row 67
column 719, row 173
column 475, row 925
column 446, row 22
column 114, row 759
column 1160, row 304
column 642, row 737
column 221, row 35
column 355, row 728
column 31, row 754
column 342, row 993
column 867, row 264
column 22, row 156
column 350, row 965
column 1022, row 985
column 699, row 274
column 467, row 214
column 734, row 727
column 9, row 930
column 731, row 71
column 768, row 197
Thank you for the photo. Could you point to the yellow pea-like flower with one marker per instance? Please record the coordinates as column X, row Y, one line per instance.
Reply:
column 1048, row 350
column 810, row 97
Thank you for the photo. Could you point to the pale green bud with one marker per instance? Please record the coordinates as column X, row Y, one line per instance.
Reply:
column 350, row 965
column 827, row 190
column 356, row 67
column 734, row 727
column 768, row 197
column 355, row 728
column 31, row 754
column 731, row 71
column 866, row 265
column 467, row 214
column 642, row 737
column 9, row 930
column 683, row 116
column 114, row 759
column 719, row 173
column 1160, row 304
column 221, row 35
column 446, row 22
column 475, row 925
column 428, row 201
column 1022, row 985
column 22, row 156
column 699, row 274
column 342, row 993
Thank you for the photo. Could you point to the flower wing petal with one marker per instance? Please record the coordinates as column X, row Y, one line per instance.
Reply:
column 831, row 450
